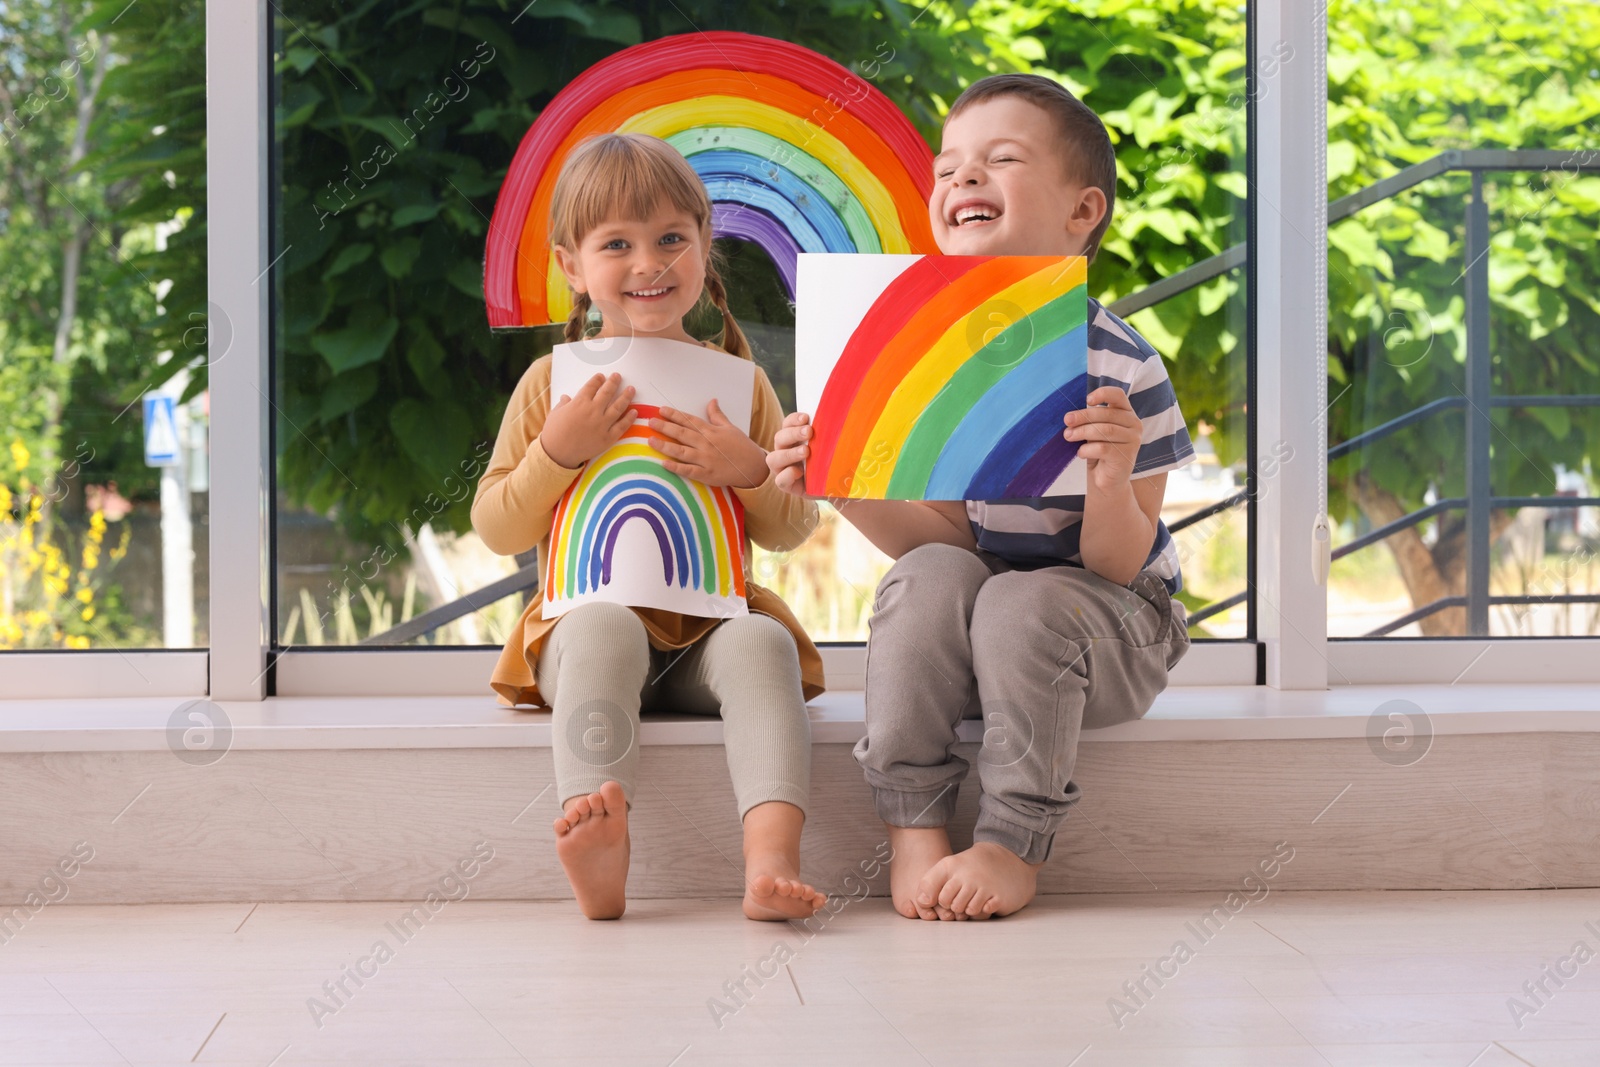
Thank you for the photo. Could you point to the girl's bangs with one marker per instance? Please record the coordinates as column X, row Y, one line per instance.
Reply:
column 636, row 183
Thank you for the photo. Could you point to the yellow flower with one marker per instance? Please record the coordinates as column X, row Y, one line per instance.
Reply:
column 97, row 522
column 85, row 594
column 77, row 642
column 5, row 498
column 19, row 454
column 87, row 613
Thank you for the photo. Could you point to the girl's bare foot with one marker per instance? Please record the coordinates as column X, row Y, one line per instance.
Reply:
column 985, row 880
column 773, row 890
column 916, row 849
column 592, row 842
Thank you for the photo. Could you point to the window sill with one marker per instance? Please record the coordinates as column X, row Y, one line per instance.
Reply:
column 1196, row 713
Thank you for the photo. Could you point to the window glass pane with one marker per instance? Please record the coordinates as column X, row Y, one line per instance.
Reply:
column 393, row 132
column 1445, row 423
column 104, row 330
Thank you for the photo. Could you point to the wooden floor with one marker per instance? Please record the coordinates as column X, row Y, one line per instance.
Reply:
column 1309, row 979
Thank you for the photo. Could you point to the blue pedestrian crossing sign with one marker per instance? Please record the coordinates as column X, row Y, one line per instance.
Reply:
column 160, row 431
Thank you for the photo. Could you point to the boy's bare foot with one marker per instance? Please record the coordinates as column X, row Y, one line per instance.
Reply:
column 773, row 890
column 916, row 850
column 987, row 879
column 592, row 841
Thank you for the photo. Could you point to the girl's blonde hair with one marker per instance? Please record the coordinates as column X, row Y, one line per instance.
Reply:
column 629, row 176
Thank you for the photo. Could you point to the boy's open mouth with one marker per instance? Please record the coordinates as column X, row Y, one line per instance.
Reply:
column 970, row 212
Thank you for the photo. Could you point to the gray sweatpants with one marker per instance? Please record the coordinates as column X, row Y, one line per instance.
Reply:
column 1039, row 655
column 597, row 668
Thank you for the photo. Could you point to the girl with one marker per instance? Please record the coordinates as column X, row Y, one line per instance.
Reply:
column 631, row 228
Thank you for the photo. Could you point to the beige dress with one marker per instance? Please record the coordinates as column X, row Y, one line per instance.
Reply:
column 516, row 501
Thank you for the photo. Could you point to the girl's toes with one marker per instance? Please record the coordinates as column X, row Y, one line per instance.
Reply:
column 611, row 798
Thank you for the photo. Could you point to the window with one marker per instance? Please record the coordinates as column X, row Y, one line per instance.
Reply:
column 391, row 134
column 105, row 343
column 353, row 158
column 1464, row 346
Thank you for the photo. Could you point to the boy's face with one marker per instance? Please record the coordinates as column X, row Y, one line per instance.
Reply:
column 1001, row 187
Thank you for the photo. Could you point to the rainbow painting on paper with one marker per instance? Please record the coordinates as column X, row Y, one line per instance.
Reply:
column 696, row 531
column 940, row 377
column 798, row 154
column 629, row 531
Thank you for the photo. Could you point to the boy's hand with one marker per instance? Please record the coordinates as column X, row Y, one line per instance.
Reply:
column 1110, row 433
column 790, row 447
column 580, row 428
column 710, row 450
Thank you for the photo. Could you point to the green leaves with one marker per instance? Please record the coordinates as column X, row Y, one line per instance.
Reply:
column 414, row 213
column 363, row 340
column 604, row 24
column 348, row 392
column 433, row 433
column 349, row 256
column 397, row 370
column 397, row 258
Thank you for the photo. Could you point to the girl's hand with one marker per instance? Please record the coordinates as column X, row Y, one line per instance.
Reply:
column 580, row 428
column 790, row 448
column 710, row 450
column 1110, row 432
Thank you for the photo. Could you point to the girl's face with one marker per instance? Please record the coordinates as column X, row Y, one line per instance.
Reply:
column 643, row 276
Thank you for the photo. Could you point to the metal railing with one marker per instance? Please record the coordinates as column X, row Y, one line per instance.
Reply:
column 1477, row 397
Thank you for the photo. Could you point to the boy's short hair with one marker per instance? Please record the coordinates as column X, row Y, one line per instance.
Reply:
column 1087, row 151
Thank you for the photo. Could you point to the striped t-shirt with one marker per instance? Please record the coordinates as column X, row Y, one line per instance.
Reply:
column 1043, row 531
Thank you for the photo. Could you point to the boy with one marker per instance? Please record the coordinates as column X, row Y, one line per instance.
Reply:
column 1044, row 616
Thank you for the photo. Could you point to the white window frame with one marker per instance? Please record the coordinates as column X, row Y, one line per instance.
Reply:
column 238, row 213
column 231, row 36
column 60, row 673
column 1292, row 651
column 346, row 671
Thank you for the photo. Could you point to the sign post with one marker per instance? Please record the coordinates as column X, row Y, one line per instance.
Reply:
column 164, row 446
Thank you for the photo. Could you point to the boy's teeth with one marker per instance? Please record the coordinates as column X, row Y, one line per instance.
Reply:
column 647, row 292
column 967, row 214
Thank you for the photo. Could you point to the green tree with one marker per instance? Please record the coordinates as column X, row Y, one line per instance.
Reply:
column 1405, row 82
column 390, row 377
column 104, row 161
column 51, row 76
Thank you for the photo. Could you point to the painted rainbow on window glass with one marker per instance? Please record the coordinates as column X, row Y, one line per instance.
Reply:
column 954, row 384
column 798, row 154
column 698, row 528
